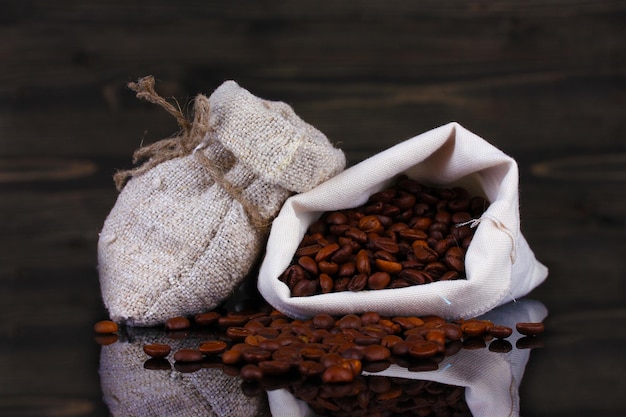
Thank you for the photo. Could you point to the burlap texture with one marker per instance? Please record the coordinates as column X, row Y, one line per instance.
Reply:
column 179, row 240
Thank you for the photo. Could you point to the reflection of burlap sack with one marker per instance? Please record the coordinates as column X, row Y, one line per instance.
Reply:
column 491, row 379
column 499, row 264
column 130, row 390
column 191, row 222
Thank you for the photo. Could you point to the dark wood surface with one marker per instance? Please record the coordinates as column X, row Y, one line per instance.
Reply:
column 545, row 81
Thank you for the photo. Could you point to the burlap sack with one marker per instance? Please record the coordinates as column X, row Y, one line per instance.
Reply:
column 491, row 379
column 131, row 390
column 190, row 223
column 499, row 264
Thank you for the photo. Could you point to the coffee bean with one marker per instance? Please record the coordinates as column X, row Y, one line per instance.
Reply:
column 358, row 282
column 251, row 372
column 454, row 258
column 177, row 323
column 105, row 327
column 500, row 332
column 213, row 347
column 206, row 319
column 337, row 374
column 157, row 350
column 378, row 280
column 530, row 328
column 304, row 288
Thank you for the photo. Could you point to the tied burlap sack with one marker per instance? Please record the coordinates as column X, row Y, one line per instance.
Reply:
column 131, row 388
column 491, row 379
column 499, row 264
column 190, row 223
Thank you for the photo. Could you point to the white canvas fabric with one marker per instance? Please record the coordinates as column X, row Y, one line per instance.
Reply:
column 491, row 379
column 177, row 242
column 500, row 266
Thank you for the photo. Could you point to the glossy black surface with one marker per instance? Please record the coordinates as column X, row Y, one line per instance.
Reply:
column 543, row 81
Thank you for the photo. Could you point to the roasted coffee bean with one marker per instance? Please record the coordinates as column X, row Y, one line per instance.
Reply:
column 256, row 355
column 325, row 252
column 530, row 328
column 232, row 321
column 157, row 350
column 251, row 372
column 358, row 282
column 378, row 280
column 274, row 367
column 500, row 332
column 388, row 266
column 370, row 224
column 206, row 319
column 423, row 349
column 384, row 244
column 363, row 262
column 414, row 276
column 232, row 357
column 336, row 218
column 177, row 323
column 304, row 288
column 337, row 374
column 309, row 264
column 326, row 283
column 454, row 258
column 212, row 347
column 349, row 321
column 238, row 333
column 105, row 327
column 188, row 355
column 373, row 353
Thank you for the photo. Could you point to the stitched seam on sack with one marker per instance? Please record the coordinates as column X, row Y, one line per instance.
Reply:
column 184, row 270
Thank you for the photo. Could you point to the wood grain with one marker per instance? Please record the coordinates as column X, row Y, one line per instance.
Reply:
column 545, row 81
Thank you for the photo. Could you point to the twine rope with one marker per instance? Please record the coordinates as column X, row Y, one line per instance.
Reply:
column 188, row 142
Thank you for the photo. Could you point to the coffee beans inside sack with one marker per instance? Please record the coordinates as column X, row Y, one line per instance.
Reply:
column 408, row 234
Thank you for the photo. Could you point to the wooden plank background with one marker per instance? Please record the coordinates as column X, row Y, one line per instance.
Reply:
column 542, row 80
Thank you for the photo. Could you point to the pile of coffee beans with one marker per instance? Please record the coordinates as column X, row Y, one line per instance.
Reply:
column 408, row 234
column 336, row 349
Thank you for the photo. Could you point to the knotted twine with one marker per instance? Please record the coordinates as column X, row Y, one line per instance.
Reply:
column 191, row 139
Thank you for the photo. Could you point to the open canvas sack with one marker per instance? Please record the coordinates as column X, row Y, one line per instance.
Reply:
column 191, row 222
column 499, row 264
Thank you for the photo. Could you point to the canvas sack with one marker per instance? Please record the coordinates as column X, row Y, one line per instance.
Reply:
column 499, row 264
column 191, row 222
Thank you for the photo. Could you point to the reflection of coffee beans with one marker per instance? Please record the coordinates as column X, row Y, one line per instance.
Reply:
column 380, row 396
column 405, row 235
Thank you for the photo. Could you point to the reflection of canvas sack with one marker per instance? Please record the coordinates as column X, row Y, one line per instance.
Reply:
column 189, row 224
column 491, row 379
column 499, row 264
column 130, row 390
